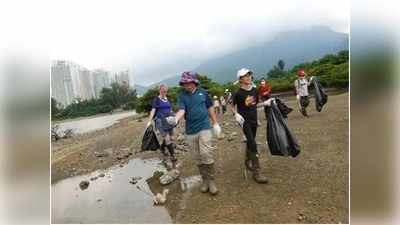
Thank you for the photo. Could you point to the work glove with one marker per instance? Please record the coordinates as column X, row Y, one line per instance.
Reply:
column 217, row 129
column 298, row 97
column 268, row 102
column 239, row 119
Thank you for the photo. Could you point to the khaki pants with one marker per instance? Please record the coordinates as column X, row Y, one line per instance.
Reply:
column 200, row 144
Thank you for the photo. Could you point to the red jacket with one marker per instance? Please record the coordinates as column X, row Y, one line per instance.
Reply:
column 264, row 91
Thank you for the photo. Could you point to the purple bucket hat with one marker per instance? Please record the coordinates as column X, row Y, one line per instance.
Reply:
column 189, row 77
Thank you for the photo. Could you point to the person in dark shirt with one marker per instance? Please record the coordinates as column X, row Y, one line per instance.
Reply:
column 244, row 107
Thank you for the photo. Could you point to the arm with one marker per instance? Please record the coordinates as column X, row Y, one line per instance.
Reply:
column 233, row 108
column 213, row 117
column 151, row 116
column 179, row 115
column 152, row 112
column 296, row 85
column 238, row 118
column 310, row 81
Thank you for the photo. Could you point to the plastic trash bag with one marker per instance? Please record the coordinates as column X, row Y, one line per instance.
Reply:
column 149, row 141
column 321, row 98
column 281, row 140
column 284, row 109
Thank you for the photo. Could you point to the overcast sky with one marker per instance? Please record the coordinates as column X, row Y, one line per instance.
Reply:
column 158, row 39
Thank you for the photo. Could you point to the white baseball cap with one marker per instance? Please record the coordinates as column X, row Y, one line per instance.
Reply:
column 243, row 72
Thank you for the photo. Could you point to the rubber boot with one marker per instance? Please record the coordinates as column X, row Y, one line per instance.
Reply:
column 257, row 176
column 211, row 179
column 203, row 173
column 304, row 112
column 162, row 148
column 247, row 161
column 171, row 151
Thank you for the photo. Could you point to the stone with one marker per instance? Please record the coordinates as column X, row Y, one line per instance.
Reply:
column 101, row 154
column 84, row 184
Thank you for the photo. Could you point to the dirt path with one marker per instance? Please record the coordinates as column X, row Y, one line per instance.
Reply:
column 312, row 188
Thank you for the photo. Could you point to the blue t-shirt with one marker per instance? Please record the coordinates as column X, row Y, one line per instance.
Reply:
column 163, row 108
column 196, row 107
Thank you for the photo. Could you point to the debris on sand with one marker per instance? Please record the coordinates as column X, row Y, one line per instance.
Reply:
column 101, row 154
column 134, row 180
column 161, row 198
column 84, row 184
column 169, row 177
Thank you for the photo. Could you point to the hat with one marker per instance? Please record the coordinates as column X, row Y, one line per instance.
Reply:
column 243, row 72
column 189, row 77
column 215, row 97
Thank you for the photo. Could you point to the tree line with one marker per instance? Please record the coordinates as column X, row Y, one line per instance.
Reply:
column 332, row 70
column 116, row 97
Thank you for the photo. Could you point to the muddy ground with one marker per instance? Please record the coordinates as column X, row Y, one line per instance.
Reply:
column 311, row 188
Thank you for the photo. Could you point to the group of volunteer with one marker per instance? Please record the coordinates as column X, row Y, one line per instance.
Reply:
column 199, row 111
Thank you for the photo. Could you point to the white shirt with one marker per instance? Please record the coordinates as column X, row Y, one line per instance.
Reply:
column 301, row 85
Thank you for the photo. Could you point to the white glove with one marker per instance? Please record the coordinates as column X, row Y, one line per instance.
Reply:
column 312, row 77
column 148, row 124
column 298, row 97
column 268, row 102
column 239, row 119
column 217, row 129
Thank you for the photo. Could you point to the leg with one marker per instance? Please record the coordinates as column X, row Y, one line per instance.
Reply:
column 193, row 141
column 248, row 131
column 207, row 159
column 253, row 155
column 170, row 148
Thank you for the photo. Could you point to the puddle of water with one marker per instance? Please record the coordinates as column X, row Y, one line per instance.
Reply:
column 109, row 199
column 91, row 124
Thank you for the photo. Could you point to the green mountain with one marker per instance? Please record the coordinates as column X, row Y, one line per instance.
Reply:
column 292, row 47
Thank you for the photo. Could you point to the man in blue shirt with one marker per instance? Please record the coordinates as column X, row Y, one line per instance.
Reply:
column 196, row 106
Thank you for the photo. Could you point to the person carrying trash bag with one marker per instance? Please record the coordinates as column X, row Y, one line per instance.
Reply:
column 161, row 113
column 321, row 98
column 301, row 88
column 281, row 140
column 195, row 105
column 244, row 108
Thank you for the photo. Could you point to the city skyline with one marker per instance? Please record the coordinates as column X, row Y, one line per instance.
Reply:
column 71, row 81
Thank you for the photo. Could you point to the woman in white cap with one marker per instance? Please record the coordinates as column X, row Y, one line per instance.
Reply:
column 244, row 106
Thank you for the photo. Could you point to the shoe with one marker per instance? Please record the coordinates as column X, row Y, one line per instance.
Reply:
column 212, row 186
column 203, row 173
column 257, row 176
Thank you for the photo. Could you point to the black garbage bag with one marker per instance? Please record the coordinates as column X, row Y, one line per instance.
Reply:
column 321, row 98
column 285, row 110
column 149, row 141
column 281, row 140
